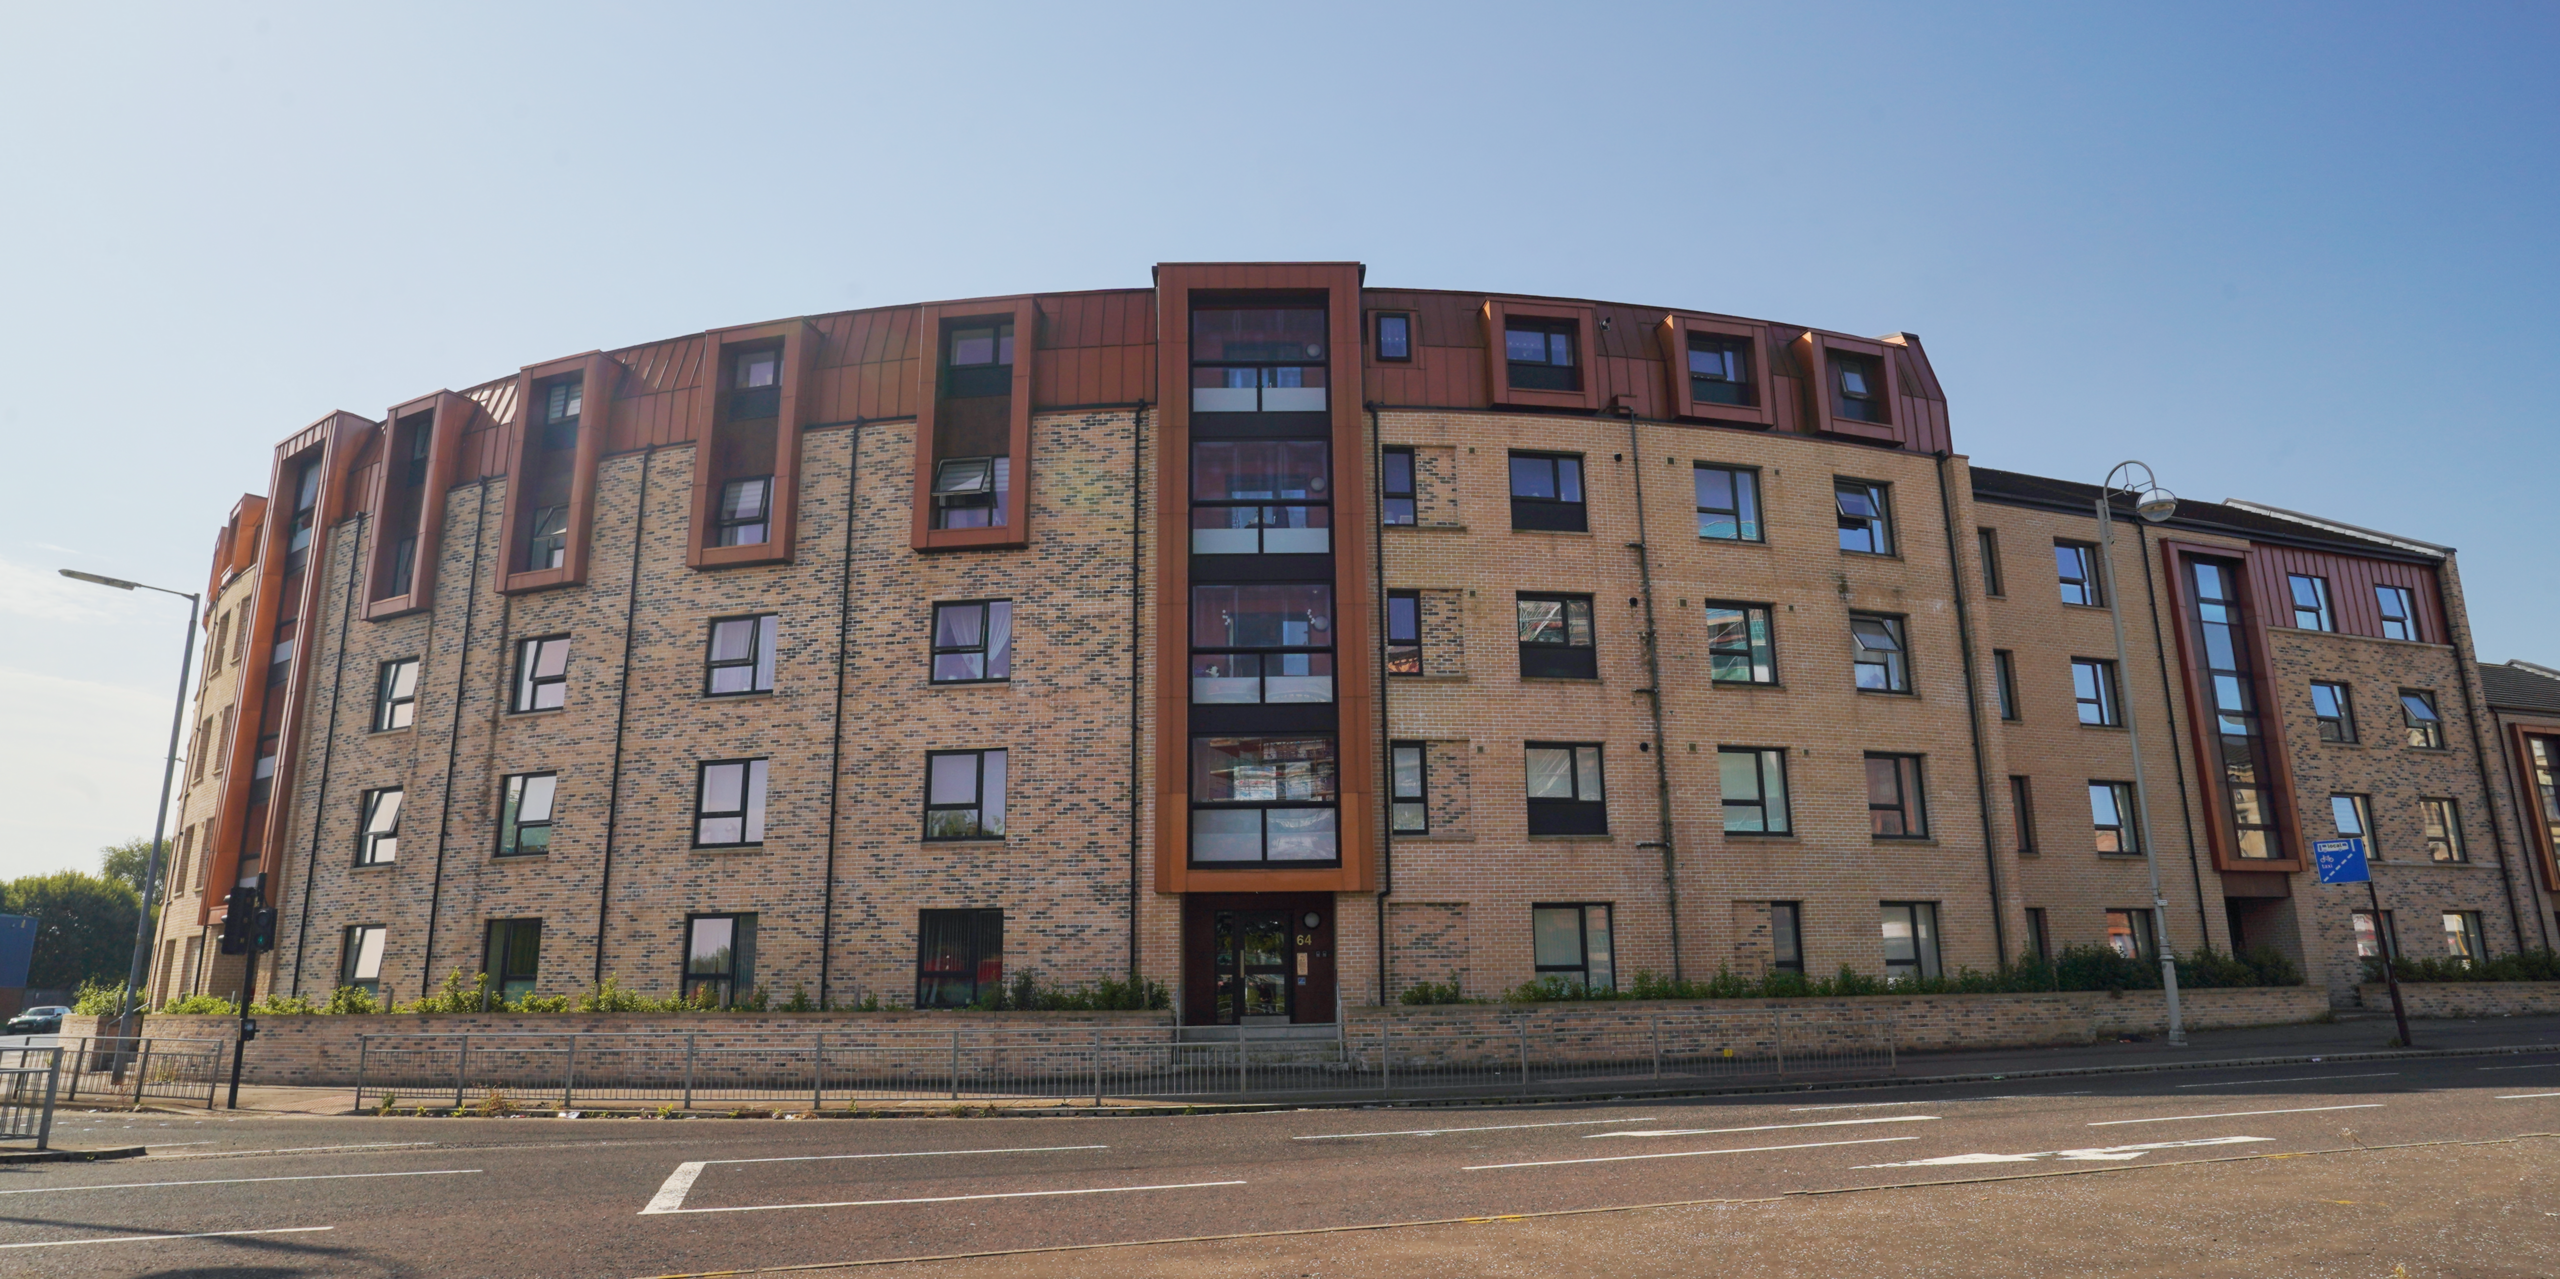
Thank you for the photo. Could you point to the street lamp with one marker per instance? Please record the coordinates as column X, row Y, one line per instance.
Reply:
column 160, row 821
column 2154, row 504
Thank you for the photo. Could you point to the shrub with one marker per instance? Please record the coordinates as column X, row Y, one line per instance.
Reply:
column 351, row 999
column 97, row 1000
column 200, row 1005
column 283, row 1006
column 1026, row 993
column 2523, row 965
column 1435, row 992
column 799, row 1001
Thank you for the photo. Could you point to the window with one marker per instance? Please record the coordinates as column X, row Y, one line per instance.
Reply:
column 404, row 557
column 378, row 841
column 2353, row 816
column 755, row 389
column 2542, row 757
column 262, row 775
column 2004, row 682
column 1266, row 643
column 1876, row 653
column 306, row 502
column 960, row 956
column 1266, row 359
column 1728, row 503
column 1866, row 521
column 1395, row 336
column 1555, row 637
column 972, row 641
column 2077, row 565
column 1264, row 799
column 1989, row 541
column 514, row 958
column 562, row 402
column 1408, row 778
column 2462, row 937
column 1910, row 940
column 978, row 359
column 1755, row 790
column 542, row 674
column 1738, row 644
column 1540, row 354
column 1894, row 809
column 1404, row 632
column 728, row 806
column 1857, row 388
column 360, row 958
column 2399, row 612
column 395, row 701
column 1786, row 936
column 1720, row 370
column 2111, row 813
column 1546, row 493
column 2222, row 638
column 1572, row 945
column 719, row 958
column 2039, row 941
column 524, row 815
column 2310, row 602
column 549, row 545
column 746, row 512
column 964, row 795
column 2129, row 934
column 2375, row 938
column 1261, row 497
column 2440, row 827
column 2418, row 712
column 2022, row 805
column 2093, row 688
column 741, row 658
column 972, row 492
column 1565, row 795
column 2332, row 707
column 1395, row 483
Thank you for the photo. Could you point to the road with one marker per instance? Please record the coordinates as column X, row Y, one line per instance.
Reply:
column 2187, row 1154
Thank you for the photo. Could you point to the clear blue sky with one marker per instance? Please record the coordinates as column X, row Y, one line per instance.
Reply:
column 2301, row 254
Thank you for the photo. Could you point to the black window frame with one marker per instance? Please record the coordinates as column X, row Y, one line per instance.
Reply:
column 1279, row 508
column 1867, row 403
column 546, row 543
column 531, row 685
column 2340, row 727
column 1734, row 354
column 994, row 500
column 974, row 826
column 977, row 935
column 1896, row 665
column 1763, row 760
column 2405, row 621
column 2385, row 932
column 1987, row 543
column 1228, row 658
column 2022, row 808
column 1579, row 972
column 1928, row 957
column 1743, row 483
column 2140, row 926
column 2127, row 827
column 2473, row 948
column 2323, row 609
column 2107, row 699
column 394, row 710
column 974, row 379
column 754, row 781
column 513, row 791
column 1402, row 351
column 730, row 518
column 1404, row 634
column 1877, row 529
column 1786, row 937
column 2039, row 934
column 2004, row 684
column 739, row 971
column 351, row 942
column 1759, row 655
column 2425, row 732
column 1557, row 514
column 370, row 838
column 2088, row 590
column 2360, row 806
column 1563, row 658
column 750, row 401
column 1322, row 774
column 1547, row 374
column 1573, row 814
column 2447, row 848
column 1412, row 802
column 763, row 639
column 501, row 942
column 1399, row 483
column 1911, row 806
column 990, row 656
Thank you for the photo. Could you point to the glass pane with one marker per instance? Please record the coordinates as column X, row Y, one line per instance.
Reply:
column 991, row 794
column 552, row 657
column 957, row 666
column 723, row 788
column 1587, row 772
column 1884, row 782
column 2419, row 709
column 720, row 830
column 1557, row 936
column 1404, row 619
column 1569, row 474
column 386, row 811
column 404, row 679
column 755, row 802
column 1000, row 639
column 1595, row 947
column 1533, row 477
column 1899, row 945
column 973, row 346
column 959, row 625
column 1541, row 621
column 1407, row 772
column 953, row 779
column 1578, row 623
column 1219, row 835
column 1773, row 777
column 369, row 942
column 1399, row 471
column 537, row 791
column 1225, row 679
column 1393, row 340
column 1550, row 772
column 1303, row 834
column 1410, row 816
column 1525, row 345
column 1740, row 773
column 712, row 946
column 2102, row 805
column 2349, row 818
column 1270, row 334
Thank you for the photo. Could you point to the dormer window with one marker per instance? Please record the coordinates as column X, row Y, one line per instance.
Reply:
column 755, row 387
column 1720, row 370
column 746, row 512
column 1395, row 336
column 971, row 492
column 560, row 411
column 1857, row 388
column 1541, row 355
column 1258, row 359
column 979, row 360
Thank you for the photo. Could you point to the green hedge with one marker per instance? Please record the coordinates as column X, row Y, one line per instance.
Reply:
column 2076, row 968
column 2523, row 965
column 473, row 994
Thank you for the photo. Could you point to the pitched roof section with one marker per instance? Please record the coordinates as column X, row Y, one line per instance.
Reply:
column 2514, row 686
column 2012, row 488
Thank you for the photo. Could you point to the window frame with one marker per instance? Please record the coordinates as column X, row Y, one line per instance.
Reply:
column 1325, row 774
column 2089, row 586
column 1562, row 659
column 2140, row 927
column 1418, row 803
column 763, row 639
column 2127, row 827
column 1577, row 353
column 2383, row 934
column 2039, row 934
column 497, row 957
column 1927, row 954
column 754, row 797
column 1378, row 321
column 1786, row 943
column 1320, row 655
column 727, row 518
column 513, row 791
column 2107, row 702
column 1763, row 759
column 1311, row 506
column 984, row 966
column 1896, row 666
column 1750, row 523
column 1574, row 814
column 389, row 704
column 530, row 683
column 989, row 656
column 1910, row 786
column 2406, row 621
column 1875, row 402
column 351, row 957
column 1582, row 916
column 997, row 469
column 1404, row 658
column 2342, row 696
column 2004, row 685
column 2440, row 830
column 2323, row 610
column 741, row 965
column 1394, row 501
column 1759, row 656
column 1674, row 334
column 2361, row 806
column 1878, row 528
column 2427, row 733
column 2022, row 809
column 978, row 801
column 1558, row 514
column 371, row 835
column 2464, row 939
column 1987, row 548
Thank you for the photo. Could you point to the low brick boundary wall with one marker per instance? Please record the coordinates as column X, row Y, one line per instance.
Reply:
column 2467, row 998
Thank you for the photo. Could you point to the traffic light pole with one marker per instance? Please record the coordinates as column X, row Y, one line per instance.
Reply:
column 2383, row 932
column 240, row 1043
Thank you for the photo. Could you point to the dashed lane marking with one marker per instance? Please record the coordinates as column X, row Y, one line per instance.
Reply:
column 2236, row 1114
column 1436, row 1132
column 2526, row 1096
column 237, row 1181
column 2108, row 1153
column 670, row 1196
column 1815, row 1123
column 209, row 1234
column 1684, row 1154
column 2291, row 1079
column 653, row 1209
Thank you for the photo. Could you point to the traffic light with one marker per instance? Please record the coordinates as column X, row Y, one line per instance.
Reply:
column 240, row 919
column 262, row 929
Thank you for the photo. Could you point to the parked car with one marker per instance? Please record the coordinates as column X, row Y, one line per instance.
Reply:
column 44, row 1019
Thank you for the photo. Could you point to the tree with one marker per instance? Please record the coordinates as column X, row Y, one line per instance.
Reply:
column 127, row 861
column 84, row 928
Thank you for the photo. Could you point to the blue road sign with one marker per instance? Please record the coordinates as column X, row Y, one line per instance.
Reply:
column 2341, row 861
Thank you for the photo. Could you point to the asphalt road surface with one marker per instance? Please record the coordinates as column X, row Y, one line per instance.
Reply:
column 2430, row 1165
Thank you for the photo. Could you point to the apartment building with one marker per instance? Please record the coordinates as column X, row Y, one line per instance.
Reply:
column 1290, row 642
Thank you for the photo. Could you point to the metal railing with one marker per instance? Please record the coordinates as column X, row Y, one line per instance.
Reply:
column 1538, row 1055
column 102, row 1069
column 28, row 1077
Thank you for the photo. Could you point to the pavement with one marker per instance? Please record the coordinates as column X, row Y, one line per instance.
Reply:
column 2406, row 1164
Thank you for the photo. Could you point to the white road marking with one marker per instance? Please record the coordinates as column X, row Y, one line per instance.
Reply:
column 1435, row 1132
column 2094, row 1152
column 1817, row 1123
column 291, row 1150
column 2531, row 1065
column 653, row 1209
column 670, row 1196
column 2290, row 1079
column 210, row 1234
column 237, row 1181
column 1861, row 1105
column 2522, row 1096
column 1685, row 1154
column 2236, row 1114
column 1943, row 1101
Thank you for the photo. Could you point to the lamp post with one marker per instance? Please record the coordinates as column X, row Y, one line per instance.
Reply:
column 160, row 820
column 2154, row 504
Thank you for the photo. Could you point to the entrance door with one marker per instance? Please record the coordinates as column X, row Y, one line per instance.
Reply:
column 1253, row 961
